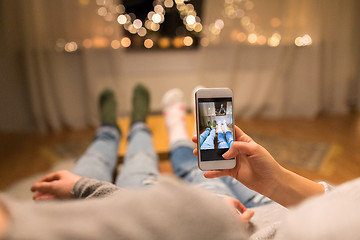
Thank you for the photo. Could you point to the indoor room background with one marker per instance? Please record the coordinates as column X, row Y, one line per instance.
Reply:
column 282, row 58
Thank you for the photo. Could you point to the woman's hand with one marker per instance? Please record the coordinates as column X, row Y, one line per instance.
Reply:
column 242, row 213
column 57, row 185
column 255, row 167
column 259, row 171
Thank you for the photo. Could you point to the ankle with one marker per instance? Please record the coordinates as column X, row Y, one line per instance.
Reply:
column 140, row 104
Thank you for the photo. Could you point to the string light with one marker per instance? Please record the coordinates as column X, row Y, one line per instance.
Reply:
column 71, row 47
column 125, row 42
column 164, row 42
column 234, row 10
column 274, row 40
column 148, row 43
column 188, row 41
column 115, row 44
column 303, row 41
column 111, row 11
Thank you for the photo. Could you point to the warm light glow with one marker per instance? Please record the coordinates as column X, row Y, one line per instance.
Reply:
column 159, row 9
column 122, row 19
column 230, row 11
column 125, row 42
column 261, row 40
column 142, row 32
column 84, row 2
column 148, row 43
column 241, row 37
column 204, row 42
column 250, row 27
column 156, row 18
column 100, row 2
column 137, row 23
column 307, row 40
column 150, row 15
column 198, row 27
column 102, row 11
column 219, row 23
column 115, row 44
column 249, row 5
column 169, row 3
column 132, row 29
column 71, row 47
column 178, row 42
column 188, row 41
column 155, row 26
column 245, row 21
column 303, row 41
column 148, row 24
column 298, row 41
column 214, row 30
column 274, row 40
column 120, row 9
column 87, row 43
column 100, row 42
column 252, row 38
column 60, row 43
column 190, row 7
column 164, row 42
column 190, row 20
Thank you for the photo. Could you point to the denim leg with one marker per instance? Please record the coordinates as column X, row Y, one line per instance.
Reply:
column 229, row 138
column 209, row 142
column 184, row 164
column 222, row 141
column 140, row 167
column 204, row 135
column 100, row 159
column 246, row 196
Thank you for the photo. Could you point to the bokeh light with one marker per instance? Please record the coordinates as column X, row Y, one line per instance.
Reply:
column 125, row 42
column 115, row 44
column 148, row 43
column 188, row 41
column 164, row 42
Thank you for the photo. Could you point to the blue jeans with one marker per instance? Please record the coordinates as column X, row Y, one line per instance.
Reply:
column 140, row 167
column 209, row 141
column 204, row 135
column 222, row 141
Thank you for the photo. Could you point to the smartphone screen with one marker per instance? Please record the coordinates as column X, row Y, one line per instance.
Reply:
column 215, row 127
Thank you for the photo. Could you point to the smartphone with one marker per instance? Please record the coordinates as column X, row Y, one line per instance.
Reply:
column 214, row 127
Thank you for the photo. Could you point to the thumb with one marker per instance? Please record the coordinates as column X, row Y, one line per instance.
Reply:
column 238, row 148
column 217, row 174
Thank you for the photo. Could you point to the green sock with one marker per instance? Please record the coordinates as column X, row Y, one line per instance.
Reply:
column 140, row 104
column 107, row 106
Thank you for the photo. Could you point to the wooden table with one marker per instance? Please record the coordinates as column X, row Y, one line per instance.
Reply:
column 156, row 124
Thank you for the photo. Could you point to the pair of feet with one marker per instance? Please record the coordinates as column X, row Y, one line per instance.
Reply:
column 221, row 127
column 108, row 105
column 173, row 108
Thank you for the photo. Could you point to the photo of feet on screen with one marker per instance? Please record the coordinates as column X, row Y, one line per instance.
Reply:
column 215, row 125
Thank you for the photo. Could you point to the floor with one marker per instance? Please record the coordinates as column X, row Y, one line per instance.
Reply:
column 23, row 155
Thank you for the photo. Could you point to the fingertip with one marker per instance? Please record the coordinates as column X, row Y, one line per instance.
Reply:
column 226, row 154
column 248, row 214
column 206, row 174
column 33, row 187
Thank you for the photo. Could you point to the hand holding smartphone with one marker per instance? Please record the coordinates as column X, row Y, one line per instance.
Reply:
column 214, row 127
